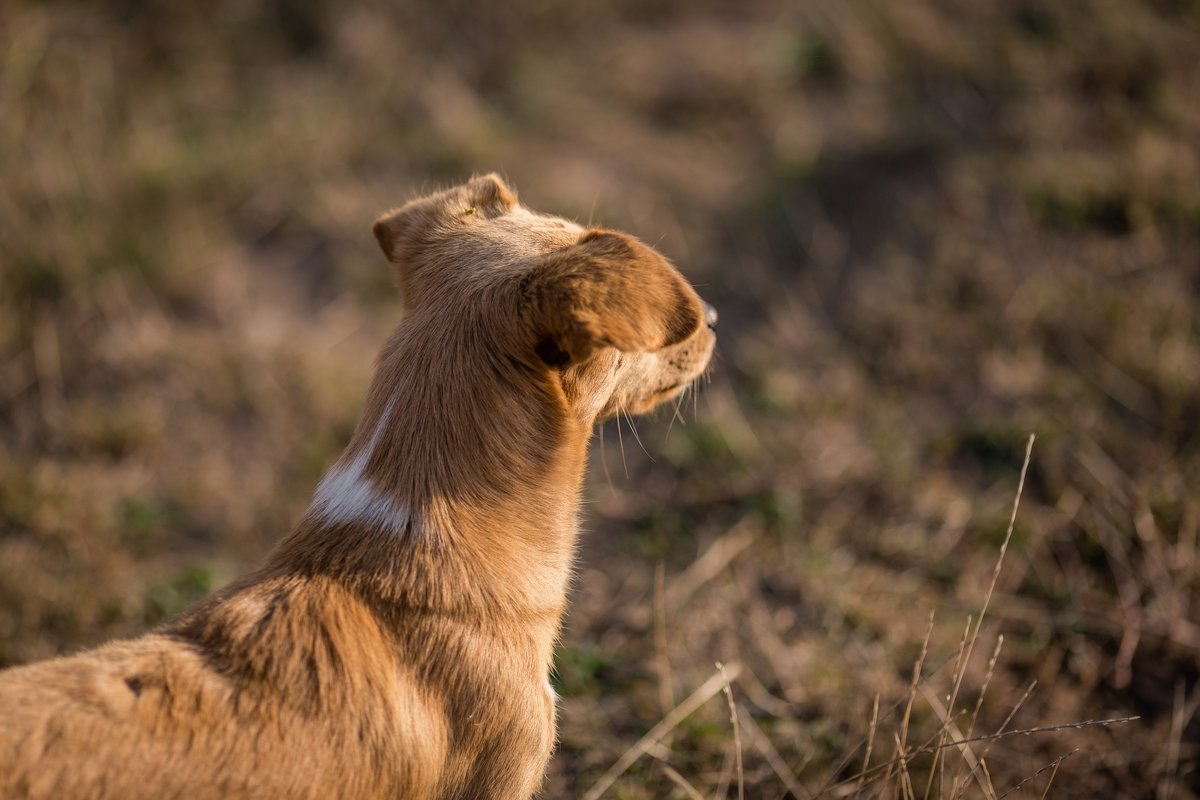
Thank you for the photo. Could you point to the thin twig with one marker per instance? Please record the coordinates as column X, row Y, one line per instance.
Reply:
column 681, row 782
column 668, row 723
column 1184, row 710
column 987, row 680
column 713, row 560
column 870, row 741
column 1012, row 521
column 830, row 782
column 961, row 669
column 737, row 735
column 994, row 736
column 1050, row 781
column 726, row 775
column 985, row 783
column 662, row 662
column 1052, row 765
column 774, row 760
column 902, row 739
column 905, row 780
column 1011, row 714
column 967, row 753
column 938, row 768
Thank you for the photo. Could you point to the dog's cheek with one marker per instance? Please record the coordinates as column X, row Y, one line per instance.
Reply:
column 590, row 387
column 639, row 376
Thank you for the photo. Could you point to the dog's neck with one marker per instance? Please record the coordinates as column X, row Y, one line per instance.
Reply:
column 458, row 492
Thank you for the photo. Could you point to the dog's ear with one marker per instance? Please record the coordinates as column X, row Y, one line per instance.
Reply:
column 396, row 228
column 404, row 233
column 609, row 290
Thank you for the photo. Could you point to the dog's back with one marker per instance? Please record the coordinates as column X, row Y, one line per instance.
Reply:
column 279, row 689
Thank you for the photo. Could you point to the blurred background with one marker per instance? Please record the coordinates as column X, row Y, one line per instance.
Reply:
column 931, row 229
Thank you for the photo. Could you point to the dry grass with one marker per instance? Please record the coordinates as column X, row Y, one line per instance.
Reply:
column 929, row 233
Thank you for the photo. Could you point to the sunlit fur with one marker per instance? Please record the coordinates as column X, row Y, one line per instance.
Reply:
column 397, row 643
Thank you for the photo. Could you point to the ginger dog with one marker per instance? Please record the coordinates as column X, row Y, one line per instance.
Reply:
column 397, row 643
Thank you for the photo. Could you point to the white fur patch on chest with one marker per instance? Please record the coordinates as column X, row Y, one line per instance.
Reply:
column 347, row 495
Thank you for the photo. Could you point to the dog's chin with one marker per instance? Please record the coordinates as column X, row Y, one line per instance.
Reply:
column 641, row 405
column 654, row 399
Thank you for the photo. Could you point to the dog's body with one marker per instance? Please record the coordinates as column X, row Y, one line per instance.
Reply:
column 398, row 642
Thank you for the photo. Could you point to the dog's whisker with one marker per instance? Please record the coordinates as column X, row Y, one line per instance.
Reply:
column 604, row 460
column 621, row 441
column 675, row 414
column 636, row 436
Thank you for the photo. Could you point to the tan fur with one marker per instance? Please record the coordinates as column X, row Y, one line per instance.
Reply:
column 401, row 653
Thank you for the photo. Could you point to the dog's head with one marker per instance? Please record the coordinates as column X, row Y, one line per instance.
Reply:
column 615, row 325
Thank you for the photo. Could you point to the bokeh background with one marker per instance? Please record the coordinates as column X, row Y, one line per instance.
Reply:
column 931, row 229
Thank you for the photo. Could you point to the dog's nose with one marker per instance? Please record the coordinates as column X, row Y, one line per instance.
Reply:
column 710, row 316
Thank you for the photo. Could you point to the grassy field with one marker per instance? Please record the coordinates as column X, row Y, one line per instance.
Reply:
column 931, row 229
